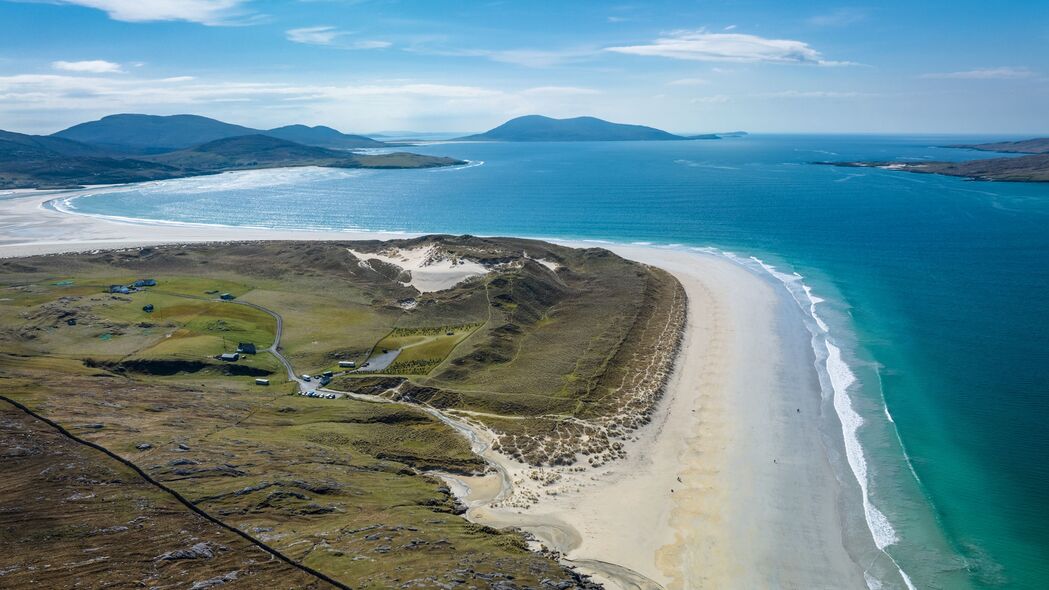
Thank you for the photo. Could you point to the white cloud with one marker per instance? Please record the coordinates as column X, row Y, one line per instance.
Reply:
column 208, row 12
column 92, row 66
column 331, row 37
column 727, row 47
column 1003, row 73
column 688, row 82
column 730, row 28
column 314, row 35
column 42, row 102
column 371, row 44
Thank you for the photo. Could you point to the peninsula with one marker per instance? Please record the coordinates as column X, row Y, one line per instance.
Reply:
column 1029, row 168
column 173, row 148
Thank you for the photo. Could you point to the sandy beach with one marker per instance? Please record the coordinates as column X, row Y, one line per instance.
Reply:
column 730, row 486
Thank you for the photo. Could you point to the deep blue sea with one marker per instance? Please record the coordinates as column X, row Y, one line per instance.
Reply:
column 936, row 288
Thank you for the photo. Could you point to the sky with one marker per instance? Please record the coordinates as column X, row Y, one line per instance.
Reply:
column 366, row 66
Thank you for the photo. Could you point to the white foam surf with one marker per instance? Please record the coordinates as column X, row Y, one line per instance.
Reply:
column 835, row 371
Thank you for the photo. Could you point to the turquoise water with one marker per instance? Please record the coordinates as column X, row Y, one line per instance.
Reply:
column 936, row 290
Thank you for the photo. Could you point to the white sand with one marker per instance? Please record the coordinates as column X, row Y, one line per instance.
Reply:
column 729, row 487
column 431, row 268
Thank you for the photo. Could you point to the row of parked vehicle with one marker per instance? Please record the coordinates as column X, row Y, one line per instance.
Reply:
column 316, row 394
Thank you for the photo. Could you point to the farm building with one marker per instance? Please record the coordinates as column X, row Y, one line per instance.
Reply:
column 261, row 381
column 229, row 357
column 119, row 289
column 246, row 348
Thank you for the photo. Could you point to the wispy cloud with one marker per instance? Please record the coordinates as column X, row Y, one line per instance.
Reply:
column 841, row 17
column 207, row 12
column 331, row 37
column 368, row 105
column 714, row 99
column 560, row 91
column 812, row 94
column 529, row 58
column 92, row 66
column 688, row 82
column 1002, row 73
column 727, row 47
column 314, row 35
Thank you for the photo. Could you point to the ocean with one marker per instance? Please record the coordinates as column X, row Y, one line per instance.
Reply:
column 934, row 292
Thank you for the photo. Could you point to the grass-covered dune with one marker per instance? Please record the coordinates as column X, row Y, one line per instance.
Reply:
column 560, row 351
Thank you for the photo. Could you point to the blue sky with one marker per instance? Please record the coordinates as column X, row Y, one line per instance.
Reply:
column 965, row 66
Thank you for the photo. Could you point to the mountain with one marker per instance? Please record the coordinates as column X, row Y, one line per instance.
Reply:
column 1027, row 146
column 539, row 128
column 34, row 161
column 322, row 136
column 152, row 134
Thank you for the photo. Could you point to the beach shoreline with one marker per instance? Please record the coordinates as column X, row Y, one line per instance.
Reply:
column 730, row 486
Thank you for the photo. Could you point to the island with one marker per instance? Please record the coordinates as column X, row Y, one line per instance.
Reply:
column 1029, row 168
column 159, row 148
column 540, row 128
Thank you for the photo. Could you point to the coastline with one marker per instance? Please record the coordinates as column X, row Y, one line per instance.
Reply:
column 730, row 486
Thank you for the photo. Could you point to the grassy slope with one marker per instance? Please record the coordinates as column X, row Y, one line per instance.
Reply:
column 92, row 519
column 336, row 484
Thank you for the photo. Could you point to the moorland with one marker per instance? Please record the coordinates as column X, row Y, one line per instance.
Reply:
column 124, row 415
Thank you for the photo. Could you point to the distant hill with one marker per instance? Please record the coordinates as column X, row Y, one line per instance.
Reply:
column 539, row 128
column 322, row 136
column 1027, row 146
column 151, row 134
column 34, row 161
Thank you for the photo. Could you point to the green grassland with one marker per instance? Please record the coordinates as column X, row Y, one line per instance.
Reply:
column 341, row 485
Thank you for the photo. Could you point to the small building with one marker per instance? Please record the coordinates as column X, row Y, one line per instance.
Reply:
column 306, row 378
column 324, row 380
column 262, row 381
column 227, row 297
column 123, row 290
column 347, row 364
column 144, row 283
column 229, row 357
column 328, row 373
column 148, row 308
column 246, row 348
